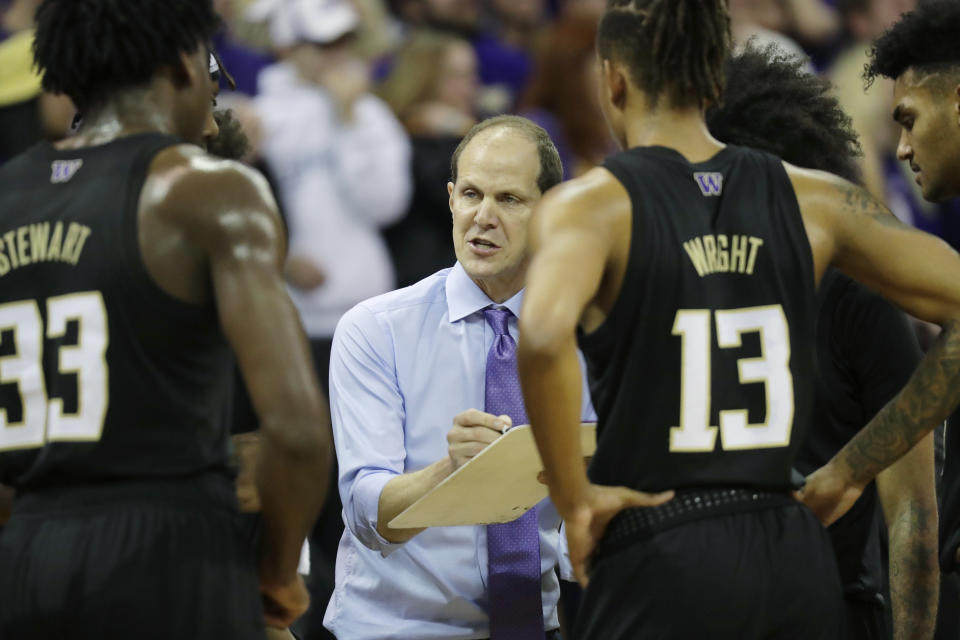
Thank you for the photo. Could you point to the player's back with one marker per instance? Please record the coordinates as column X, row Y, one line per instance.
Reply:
column 103, row 375
column 700, row 374
column 111, row 427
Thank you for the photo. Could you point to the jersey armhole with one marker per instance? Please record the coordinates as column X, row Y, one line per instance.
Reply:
column 605, row 336
column 780, row 171
column 143, row 282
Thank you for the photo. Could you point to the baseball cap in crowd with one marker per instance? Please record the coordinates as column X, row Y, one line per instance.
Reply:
column 316, row 21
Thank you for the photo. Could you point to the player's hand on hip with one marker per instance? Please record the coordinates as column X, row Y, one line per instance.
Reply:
column 587, row 523
column 472, row 432
column 828, row 494
column 284, row 602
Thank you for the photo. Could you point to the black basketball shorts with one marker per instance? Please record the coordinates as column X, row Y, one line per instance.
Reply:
column 766, row 573
column 145, row 562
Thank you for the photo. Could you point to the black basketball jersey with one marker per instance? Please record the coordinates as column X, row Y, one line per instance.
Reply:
column 103, row 375
column 854, row 380
column 701, row 375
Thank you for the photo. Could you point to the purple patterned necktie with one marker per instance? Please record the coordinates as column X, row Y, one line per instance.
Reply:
column 513, row 548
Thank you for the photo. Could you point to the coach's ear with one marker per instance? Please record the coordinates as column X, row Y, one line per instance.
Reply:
column 450, row 187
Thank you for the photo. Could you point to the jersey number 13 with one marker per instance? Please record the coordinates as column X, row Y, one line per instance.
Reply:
column 772, row 369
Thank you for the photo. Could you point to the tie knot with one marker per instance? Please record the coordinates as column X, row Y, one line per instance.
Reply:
column 497, row 319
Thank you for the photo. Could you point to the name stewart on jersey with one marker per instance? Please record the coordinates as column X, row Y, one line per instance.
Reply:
column 723, row 254
column 42, row 242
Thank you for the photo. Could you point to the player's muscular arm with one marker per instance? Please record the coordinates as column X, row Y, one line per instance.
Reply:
column 571, row 239
column 918, row 272
column 228, row 214
column 574, row 234
column 909, row 503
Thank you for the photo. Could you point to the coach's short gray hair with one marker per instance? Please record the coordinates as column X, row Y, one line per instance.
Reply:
column 551, row 168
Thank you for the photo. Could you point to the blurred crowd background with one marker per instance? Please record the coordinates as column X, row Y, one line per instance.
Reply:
column 354, row 107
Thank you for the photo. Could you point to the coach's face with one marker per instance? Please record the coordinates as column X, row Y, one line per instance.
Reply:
column 928, row 111
column 491, row 203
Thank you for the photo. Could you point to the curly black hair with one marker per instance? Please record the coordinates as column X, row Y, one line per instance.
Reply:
column 88, row 49
column 673, row 48
column 772, row 104
column 231, row 143
column 925, row 39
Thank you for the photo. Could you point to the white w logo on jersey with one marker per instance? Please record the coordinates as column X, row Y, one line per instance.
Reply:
column 711, row 184
column 63, row 170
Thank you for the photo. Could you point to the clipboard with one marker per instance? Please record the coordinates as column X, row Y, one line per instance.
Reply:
column 498, row 485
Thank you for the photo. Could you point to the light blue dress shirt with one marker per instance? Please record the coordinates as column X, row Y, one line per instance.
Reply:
column 403, row 365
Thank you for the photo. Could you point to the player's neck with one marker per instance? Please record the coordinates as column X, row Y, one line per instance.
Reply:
column 125, row 113
column 683, row 130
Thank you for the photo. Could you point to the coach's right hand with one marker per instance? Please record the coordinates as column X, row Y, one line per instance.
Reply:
column 472, row 432
column 284, row 602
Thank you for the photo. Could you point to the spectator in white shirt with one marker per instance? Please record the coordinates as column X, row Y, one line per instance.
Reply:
column 340, row 159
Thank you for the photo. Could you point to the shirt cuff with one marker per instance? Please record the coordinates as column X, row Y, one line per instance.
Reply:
column 366, row 493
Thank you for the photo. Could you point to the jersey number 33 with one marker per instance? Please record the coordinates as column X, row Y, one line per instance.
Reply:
column 43, row 419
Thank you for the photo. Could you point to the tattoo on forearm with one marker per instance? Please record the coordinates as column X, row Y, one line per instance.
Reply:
column 932, row 393
column 859, row 201
column 914, row 573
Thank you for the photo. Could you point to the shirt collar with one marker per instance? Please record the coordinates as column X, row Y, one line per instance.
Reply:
column 464, row 297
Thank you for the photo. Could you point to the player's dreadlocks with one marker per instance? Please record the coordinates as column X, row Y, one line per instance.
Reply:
column 673, row 48
column 924, row 39
column 771, row 103
column 88, row 49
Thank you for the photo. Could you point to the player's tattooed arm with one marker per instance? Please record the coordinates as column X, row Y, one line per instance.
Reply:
column 909, row 503
column 918, row 272
column 856, row 200
column 927, row 399
column 931, row 395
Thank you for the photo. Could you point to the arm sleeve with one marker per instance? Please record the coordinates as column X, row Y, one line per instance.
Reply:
column 371, row 163
column 367, row 414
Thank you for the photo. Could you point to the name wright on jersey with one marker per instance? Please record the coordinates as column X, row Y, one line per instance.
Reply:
column 723, row 254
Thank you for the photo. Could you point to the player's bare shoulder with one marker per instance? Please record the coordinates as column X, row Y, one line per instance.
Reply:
column 214, row 200
column 836, row 211
column 821, row 193
column 596, row 200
